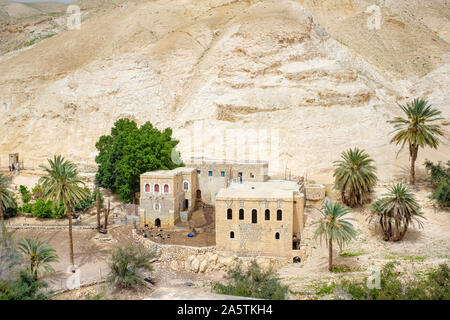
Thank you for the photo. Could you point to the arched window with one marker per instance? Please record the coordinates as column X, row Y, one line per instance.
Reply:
column 186, row 185
column 232, row 235
column 267, row 214
column 166, row 188
column 156, row 188
column 229, row 214
column 157, row 206
column 279, row 215
column 277, row 236
column 254, row 216
column 241, row 214
column 147, row 187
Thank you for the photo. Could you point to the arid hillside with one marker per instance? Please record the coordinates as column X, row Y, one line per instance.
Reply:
column 298, row 81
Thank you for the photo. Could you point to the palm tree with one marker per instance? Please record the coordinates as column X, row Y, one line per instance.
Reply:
column 6, row 198
column 62, row 184
column 416, row 130
column 332, row 226
column 38, row 254
column 355, row 176
column 395, row 211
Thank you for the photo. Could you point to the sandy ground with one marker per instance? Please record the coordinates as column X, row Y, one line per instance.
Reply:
column 419, row 250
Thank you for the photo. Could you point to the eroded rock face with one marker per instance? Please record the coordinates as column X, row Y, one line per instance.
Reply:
column 315, row 80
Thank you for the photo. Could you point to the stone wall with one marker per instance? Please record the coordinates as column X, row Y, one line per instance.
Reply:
column 204, row 259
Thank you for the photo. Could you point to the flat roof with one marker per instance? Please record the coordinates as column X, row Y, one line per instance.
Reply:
column 270, row 190
column 224, row 161
column 168, row 173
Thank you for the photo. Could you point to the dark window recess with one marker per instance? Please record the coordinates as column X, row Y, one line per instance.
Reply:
column 267, row 214
column 279, row 215
column 241, row 214
column 229, row 214
column 277, row 236
column 254, row 216
column 232, row 235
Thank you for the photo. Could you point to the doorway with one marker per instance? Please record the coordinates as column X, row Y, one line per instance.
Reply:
column 158, row 223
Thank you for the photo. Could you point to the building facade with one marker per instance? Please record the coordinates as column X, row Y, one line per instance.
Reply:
column 214, row 175
column 167, row 196
column 260, row 219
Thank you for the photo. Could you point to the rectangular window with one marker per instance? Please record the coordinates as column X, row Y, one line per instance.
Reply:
column 210, row 173
column 198, row 171
column 222, row 173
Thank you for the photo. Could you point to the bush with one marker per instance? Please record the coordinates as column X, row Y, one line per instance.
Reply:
column 440, row 179
column 435, row 286
column 37, row 192
column 89, row 201
column 26, row 196
column 25, row 287
column 254, row 283
column 128, row 265
column 26, row 208
column 42, row 209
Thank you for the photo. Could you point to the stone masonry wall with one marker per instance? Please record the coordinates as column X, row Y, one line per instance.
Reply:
column 204, row 259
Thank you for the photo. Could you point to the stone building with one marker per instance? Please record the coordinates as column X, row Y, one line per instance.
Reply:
column 260, row 218
column 167, row 196
column 214, row 175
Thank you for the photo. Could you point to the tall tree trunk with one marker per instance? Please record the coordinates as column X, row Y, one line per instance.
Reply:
column 69, row 214
column 413, row 150
column 98, row 209
column 107, row 215
column 330, row 255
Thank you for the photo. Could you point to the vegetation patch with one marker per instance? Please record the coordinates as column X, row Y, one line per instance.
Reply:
column 254, row 282
column 352, row 254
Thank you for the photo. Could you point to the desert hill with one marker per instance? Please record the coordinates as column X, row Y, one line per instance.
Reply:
column 308, row 72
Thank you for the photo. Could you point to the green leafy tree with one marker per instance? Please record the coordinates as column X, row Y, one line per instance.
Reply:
column 355, row 176
column 38, row 255
column 128, row 265
column 334, row 227
column 130, row 151
column 62, row 184
column 395, row 211
column 417, row 130
column 255, row 282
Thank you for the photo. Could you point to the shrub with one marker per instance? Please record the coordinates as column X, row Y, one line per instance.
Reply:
column 24, row 287
column 37, row 192
column 127, row 266
column 89, row 201
column 42, row 209
column 434, row 286
column 26, row 208
column 26, row 196
column 254, row 283
column 440, row 179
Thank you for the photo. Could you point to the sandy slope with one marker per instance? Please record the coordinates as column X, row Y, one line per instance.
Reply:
column 309, row 72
